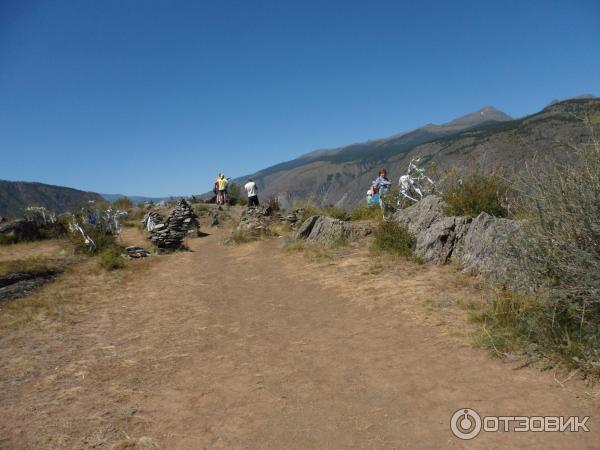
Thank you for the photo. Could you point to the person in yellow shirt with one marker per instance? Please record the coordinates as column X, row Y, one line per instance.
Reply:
column 221, row 189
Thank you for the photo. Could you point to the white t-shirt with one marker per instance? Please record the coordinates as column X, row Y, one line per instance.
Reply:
column 251, row 189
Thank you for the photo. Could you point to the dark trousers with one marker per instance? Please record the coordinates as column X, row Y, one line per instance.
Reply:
column 253, row 200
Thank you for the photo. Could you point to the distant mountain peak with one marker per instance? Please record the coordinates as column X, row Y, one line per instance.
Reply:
column 485, row 114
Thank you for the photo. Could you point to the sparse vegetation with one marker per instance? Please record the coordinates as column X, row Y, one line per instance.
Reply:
column 273, row 203
column 392, row 237
column 244, row 236
column 475, row 192
column 236, row 195
column 28, row 265
column 110, row 258
column 311, row 209
column 123, row 204
column 559, row 253
column 365, row 213
column 316, row 252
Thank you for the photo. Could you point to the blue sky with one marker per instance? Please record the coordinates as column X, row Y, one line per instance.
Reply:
column 155, row 97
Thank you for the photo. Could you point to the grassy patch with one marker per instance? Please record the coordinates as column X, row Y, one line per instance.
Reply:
column 391, row 237
column 475, row 192
column 28, row 265
column 314, row 251
column 366, row 213
column 530, row 324
column 110, row 259
column 310, row 209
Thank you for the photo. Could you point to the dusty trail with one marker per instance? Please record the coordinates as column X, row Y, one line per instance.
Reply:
column 245, row 347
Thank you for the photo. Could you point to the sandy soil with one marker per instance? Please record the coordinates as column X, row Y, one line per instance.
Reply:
column 249, row 347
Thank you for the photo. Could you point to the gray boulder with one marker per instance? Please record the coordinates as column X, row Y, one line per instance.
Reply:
column 485, row 250
column 436, row 235
column 421, row 215
column 437, row 243
column 327, row 230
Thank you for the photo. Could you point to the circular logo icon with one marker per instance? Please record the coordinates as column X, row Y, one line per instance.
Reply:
column 465, row 424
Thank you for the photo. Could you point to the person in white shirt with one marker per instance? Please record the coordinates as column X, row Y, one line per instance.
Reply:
column 252, row 191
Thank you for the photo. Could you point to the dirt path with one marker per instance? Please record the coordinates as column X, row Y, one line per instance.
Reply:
column 246, row 347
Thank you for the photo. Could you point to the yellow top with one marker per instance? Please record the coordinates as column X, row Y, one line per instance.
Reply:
column 222, row 183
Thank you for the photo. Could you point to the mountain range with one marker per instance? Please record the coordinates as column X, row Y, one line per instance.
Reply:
column 15, row 196
column 487, row 138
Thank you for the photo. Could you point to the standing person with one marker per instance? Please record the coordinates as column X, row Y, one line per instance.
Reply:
column 216, row 191
column 222, row 186
column 252, row 191
column 382, row 184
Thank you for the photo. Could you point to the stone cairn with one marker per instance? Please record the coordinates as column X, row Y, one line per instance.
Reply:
column 169, row 234
column 255, row 219
column 293, row 216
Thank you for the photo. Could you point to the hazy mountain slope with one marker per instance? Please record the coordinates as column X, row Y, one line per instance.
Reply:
column 341, row 176
column 136, row 199
column 15, row 196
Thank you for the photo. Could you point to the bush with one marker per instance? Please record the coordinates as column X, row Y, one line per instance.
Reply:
column 559, row 249
column 236, row 196
column 122, row 204
column 475, row 192
column 110, row 258
column 559, row 254
column 392, row 237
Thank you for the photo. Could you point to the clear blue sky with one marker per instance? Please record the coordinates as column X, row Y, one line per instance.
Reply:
column 156, row 97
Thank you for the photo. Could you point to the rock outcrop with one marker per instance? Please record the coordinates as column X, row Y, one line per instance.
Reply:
column 327, row 230
column 255, row 220
column 485, row 250
column 479, row 245
column 436, row 235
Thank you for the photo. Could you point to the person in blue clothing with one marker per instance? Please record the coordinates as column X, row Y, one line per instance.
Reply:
column 382, row 186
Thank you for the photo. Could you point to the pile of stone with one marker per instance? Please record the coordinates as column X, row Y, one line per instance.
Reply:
column 134, row 252
column 293, row 216
column 255, row 219
column 169, row 234
column 152, row 219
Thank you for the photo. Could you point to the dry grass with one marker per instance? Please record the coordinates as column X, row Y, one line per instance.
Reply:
column 60, row 300
column 317, row 252
column 50, row 248
column 39, row 264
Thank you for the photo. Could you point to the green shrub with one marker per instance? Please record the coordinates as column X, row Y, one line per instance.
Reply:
column 110, row 258
column 236, row 195
column 392, row 237
column 558, row 250
column 475, row 192
column 123, row 204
